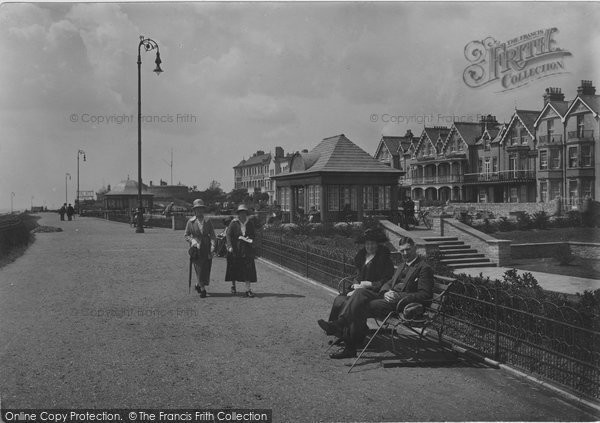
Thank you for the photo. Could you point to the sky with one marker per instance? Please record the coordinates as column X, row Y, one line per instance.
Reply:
column 242, row 77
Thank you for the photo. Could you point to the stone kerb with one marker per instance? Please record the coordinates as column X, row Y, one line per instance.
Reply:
column 497, row 250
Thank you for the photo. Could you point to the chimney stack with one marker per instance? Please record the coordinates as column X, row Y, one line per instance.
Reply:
column 553, row 94
column 586, row 88
column 279, row 152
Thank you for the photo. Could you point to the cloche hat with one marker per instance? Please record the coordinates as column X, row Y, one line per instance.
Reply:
column 198, row 203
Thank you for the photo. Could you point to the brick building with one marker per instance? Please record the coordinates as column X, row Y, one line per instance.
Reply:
column 255, row 173
column 537, row 156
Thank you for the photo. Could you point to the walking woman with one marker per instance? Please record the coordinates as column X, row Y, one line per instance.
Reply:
column 240, row 252
column 199, row 232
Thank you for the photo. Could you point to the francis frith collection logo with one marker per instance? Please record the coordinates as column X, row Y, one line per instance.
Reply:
column 516, row 62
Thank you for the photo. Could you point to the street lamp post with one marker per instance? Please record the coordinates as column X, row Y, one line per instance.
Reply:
column 66, row 192
column 148, row 45
column 79, row 153
column 12, row 195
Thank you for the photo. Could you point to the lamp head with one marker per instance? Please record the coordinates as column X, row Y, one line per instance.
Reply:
column 158, row 70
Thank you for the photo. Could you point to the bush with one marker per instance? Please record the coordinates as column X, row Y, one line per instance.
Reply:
column 505, row 225
column 574, row 218
column 540, row 219
column 563, row 254
column 524, row 221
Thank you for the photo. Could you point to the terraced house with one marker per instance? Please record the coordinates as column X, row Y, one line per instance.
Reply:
column 537, row 156
column 396, row 152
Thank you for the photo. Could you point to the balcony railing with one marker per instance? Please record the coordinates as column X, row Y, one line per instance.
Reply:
column 502, row 176
column 550, row 139
column 440, row 179
column 582, row 134
column 522, row 140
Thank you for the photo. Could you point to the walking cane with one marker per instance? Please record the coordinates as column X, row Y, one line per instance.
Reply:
column 190, row 278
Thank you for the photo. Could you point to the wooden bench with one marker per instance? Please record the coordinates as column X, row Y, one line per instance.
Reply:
column 432, row 313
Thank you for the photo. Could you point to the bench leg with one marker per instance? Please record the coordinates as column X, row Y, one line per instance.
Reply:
column 384, row 323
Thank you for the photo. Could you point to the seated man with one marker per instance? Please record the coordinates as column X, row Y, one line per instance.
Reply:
column 412, row 283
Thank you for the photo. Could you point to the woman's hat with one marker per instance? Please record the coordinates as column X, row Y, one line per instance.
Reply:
column 198, row 203
column 241, row 208
column 376, row 235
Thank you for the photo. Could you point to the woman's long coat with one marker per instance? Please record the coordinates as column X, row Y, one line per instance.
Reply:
column 240, row 261
column 205, row 236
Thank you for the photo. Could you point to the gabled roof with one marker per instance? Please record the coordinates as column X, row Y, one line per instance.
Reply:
column 391, row 143
column 500, row 133
column 559, row 107
column 527, row 118
column 470, row 132
column 338, row 154
column 432, row 134
column 592, row 102
column 491, row 133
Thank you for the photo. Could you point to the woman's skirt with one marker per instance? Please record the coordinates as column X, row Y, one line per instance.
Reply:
column 202, row 269
column 240, row 269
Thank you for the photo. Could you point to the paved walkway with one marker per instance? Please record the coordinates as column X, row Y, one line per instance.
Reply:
column 99, row 316
column 549, row 281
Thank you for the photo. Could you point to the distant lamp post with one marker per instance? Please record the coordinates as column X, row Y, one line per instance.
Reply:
column 148, row 45
column 12, row 195
column 79, row 153
column 67, row 175
column 31, row 209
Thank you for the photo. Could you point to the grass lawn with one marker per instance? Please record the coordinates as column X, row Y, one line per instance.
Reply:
column 551, row 235
column 580, row 267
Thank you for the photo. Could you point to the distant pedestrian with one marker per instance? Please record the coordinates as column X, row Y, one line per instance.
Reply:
column 240, row 258
column 199, row 232
column 62, row 211
column 70, row 211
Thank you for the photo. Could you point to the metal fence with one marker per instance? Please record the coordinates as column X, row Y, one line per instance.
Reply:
column 548, row 339
column 327, row 267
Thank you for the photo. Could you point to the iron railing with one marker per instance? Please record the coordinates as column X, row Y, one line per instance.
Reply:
column 582, row 134
column 550, row 139
column 327, row 267
column 501, row 176
column 552, row 341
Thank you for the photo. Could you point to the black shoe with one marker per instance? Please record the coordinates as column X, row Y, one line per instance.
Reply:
column 345, row 353
column 203, row 293
column 233, row 290
column 249, row 294
column 330, row 328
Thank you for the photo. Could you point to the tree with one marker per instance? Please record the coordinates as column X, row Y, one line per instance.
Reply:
column 238, row 196
column 213, row 193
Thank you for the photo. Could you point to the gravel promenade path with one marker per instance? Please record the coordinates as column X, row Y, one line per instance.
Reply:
column 98, row 316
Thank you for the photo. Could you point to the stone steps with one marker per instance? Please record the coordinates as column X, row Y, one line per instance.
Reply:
column 457, row 255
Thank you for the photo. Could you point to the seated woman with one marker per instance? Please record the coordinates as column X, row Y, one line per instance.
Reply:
column 373, row 265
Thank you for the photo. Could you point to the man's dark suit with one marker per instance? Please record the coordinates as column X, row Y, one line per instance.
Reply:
column 414, row 283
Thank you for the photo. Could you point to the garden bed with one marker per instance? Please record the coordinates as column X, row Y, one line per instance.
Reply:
column 580, row 267
column 551, row 235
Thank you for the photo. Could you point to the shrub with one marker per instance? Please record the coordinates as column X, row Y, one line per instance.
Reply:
column 289, row 228
column 540, row 219
column 574, row 218
column 524, row 221
column 488, row 227
column 505, row 225
column 563, row 254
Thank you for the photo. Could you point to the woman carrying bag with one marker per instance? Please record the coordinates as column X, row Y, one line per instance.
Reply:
column 240, row 251
column 199, row 232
